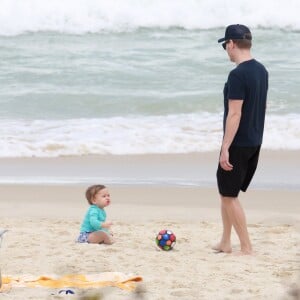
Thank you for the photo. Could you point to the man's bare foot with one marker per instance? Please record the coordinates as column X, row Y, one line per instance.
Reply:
column 243, row 252
column 222, row 248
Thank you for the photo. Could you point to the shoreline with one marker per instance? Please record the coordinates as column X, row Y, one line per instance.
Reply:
column 276, row 170
column 194, row 203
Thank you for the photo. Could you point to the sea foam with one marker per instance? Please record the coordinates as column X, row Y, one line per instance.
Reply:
column 83, row 16
column 184, row 133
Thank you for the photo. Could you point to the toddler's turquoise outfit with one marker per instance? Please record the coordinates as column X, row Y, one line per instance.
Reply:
column 92, row 221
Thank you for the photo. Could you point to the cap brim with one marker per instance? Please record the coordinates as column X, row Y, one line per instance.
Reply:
column 221, row 40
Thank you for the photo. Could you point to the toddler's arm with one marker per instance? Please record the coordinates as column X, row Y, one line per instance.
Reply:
column 106, row 224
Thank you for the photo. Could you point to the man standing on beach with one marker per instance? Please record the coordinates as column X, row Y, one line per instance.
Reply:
column 245, row 95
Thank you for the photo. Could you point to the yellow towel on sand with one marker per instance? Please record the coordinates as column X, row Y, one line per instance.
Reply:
column 116, row 279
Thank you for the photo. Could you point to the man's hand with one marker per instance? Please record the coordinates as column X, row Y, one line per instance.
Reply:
column 224, row 160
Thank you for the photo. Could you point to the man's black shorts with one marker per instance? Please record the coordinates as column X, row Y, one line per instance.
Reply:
column 244, row 161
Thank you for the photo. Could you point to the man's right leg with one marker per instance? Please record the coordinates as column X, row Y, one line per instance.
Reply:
column 225, row 244
column 237, row 218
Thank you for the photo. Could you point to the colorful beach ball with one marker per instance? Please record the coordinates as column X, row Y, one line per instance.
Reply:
column 166, row 240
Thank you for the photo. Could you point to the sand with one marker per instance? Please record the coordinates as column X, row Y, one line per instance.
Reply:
column 44, row 220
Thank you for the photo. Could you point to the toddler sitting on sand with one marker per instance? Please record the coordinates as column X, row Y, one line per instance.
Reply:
column 95, row 228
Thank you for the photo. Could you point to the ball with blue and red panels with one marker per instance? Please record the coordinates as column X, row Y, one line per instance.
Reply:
column 165, row 239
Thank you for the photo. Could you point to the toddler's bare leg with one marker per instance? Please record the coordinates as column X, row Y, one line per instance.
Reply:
column 98, row 237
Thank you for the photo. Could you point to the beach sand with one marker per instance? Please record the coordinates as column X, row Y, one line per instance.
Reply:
column 43, row 222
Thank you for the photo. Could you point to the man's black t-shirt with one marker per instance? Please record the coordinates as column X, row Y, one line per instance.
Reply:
column 248, row 82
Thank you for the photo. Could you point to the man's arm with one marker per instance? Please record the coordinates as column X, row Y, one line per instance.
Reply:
column 231, row 127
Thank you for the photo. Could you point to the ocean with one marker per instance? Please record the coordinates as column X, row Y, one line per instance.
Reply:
column 89, row 77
